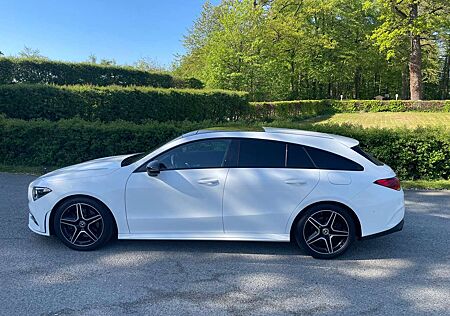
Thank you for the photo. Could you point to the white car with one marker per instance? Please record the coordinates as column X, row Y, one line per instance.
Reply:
column 320, row 189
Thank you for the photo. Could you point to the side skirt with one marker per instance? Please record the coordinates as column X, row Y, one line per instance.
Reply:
column 209, row 236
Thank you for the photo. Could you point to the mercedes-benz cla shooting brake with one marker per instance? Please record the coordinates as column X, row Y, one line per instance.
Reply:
column 320, row 190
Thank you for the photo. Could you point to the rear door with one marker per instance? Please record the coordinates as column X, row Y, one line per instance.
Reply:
column 270, row 180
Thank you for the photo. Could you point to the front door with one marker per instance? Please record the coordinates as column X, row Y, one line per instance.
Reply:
column 186, row 197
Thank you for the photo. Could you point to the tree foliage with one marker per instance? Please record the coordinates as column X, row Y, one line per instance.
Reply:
column 314, row 49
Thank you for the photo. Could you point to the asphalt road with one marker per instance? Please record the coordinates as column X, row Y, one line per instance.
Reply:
column 404, row 273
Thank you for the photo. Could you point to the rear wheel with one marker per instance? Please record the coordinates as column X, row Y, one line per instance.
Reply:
column 325, row 231
column 83, row 224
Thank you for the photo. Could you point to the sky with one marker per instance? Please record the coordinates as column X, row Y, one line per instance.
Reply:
column 71, row 30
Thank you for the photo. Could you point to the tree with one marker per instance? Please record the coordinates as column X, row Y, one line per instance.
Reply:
column 148, row 64
column 310, row 49
column 92, row 59
column 107, row 62
column 413, row 22
column 28, row 52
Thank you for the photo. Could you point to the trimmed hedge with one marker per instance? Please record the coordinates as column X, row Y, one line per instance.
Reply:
column 421, row 153
column 135, row 104
column 45, row 143
column 391, row 106
column 19, row 70
column 308, row 108
column 289, row 109
column 414, row 154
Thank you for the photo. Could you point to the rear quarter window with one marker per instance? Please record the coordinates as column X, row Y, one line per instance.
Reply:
column 330, row 161
column 367, row 156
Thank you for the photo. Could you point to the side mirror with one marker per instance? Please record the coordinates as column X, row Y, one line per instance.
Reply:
column 153, row 168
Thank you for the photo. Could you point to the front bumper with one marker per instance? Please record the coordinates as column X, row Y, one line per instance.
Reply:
column 394, row 229
column 36, row 227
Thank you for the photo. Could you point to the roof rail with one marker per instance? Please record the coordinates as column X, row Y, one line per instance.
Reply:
column 296, row 132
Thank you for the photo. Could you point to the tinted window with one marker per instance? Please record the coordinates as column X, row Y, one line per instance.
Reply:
column 298, row 158
column 367, row 156
column 261, row 153
column 209, row 153
column 330, row 161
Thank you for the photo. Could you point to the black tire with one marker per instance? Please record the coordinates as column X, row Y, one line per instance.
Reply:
column 83, row 224
column 325, row 231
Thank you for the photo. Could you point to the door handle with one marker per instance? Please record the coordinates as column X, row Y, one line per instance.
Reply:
column 295, row 181
column 210, row 182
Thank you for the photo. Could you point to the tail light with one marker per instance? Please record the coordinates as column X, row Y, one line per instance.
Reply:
column 391, row 183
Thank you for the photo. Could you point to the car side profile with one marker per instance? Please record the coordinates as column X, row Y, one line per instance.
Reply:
column 320, row 190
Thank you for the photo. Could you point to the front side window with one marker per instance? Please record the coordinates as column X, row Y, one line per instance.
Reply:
column 257, row 153
column 209, row 153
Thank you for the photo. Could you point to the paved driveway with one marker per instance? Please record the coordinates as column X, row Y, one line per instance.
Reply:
column 404, row 273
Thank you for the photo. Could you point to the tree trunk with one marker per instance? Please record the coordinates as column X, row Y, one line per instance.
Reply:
column 415, row 61
column 405, row 86
column 357, row 82
column 445, row 81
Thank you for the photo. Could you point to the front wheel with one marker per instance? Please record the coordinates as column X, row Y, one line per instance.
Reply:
column 325, row 231
column 83, row 224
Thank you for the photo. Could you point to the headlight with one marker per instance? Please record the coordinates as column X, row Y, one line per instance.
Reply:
column 39, row 192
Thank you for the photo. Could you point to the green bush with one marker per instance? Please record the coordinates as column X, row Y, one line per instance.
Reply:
column 135, row 104
column 19, row 70
column 301, row 109
column 289, row 109
column 390, row 106
column 414, row 154
column 422, row 153
column 45, row 143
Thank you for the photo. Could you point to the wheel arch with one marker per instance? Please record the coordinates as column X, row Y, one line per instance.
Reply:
column 339, row 204
column 74, row 196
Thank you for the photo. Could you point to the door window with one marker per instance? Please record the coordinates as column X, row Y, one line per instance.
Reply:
column 298, row 158
column 209, row 153
column 256, row 153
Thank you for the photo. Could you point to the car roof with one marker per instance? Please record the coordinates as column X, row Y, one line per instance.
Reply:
column 274, row 132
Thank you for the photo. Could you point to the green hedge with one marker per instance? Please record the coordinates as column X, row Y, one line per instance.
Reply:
column 45, row 143
column 135, row 104
column 308, row 108
column 413, row 154
column 391, row 106
column 19, row 70
column 289, row 109
column 422, row 153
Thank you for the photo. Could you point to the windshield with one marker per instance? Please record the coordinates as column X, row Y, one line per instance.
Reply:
column 132, row 159
column 136, row 157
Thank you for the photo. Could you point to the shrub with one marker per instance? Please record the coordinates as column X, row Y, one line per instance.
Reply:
column 45, row 143
column 423, row 153
column 135, row 104
column 19, row 70
column 390, row 106
column 301, row 109
column 289, row 109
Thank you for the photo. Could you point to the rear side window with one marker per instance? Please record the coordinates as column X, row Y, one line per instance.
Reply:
column 256, row 153
column 298, row 158
column 330, row 161
column 367, row 156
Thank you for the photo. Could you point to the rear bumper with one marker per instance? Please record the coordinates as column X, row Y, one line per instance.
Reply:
column 394, row 229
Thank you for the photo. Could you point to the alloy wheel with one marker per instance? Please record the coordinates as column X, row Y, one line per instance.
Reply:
column 81, row 224
column 326, row 232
